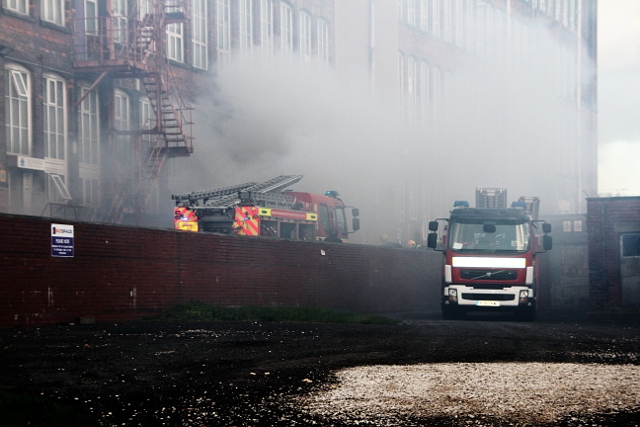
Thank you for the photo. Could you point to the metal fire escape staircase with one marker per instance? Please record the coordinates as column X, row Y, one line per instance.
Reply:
column 137, row 51
column 224, row 198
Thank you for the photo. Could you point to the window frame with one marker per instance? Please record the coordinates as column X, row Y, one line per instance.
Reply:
column 424, row 15
column 286, row 28
column 54, row 104
column 175, row 42
column 411, row 12
column 89, row 145
column 120, row 20
column 18, row 120
column 89, row 128
column 199, row 40
column 91, row 21
column 435, row 18
column 322, row 35
column 245, row 25
column 17, row 6
column 223, row 32
column 53, row 11
column 266, row 27
column 630, row 245
column 305, row 36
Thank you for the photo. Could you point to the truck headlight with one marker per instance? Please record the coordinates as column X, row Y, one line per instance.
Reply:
column 453, row 295
column 524, row 296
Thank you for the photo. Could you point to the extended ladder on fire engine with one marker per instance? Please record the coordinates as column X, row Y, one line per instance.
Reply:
column 226, row 197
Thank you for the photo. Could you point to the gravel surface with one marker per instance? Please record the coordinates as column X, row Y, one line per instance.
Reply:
column 425, row 372
column 527, row 393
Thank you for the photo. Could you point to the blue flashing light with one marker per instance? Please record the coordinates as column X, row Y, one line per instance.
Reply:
column 460, row 204
column 519, row 205
column 332, row 193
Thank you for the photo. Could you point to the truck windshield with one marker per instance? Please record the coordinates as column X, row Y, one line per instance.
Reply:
column 495, row 237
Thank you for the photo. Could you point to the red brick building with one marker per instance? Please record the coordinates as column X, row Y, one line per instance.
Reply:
column 614, row 252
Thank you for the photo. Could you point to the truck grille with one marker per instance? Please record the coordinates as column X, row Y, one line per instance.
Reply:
column 488, row 297
column 489, row 274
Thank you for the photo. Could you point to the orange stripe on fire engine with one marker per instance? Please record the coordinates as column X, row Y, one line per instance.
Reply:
column 251, row 227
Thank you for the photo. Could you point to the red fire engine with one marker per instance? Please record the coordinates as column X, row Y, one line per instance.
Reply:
column 264, row 209
column 491, row 255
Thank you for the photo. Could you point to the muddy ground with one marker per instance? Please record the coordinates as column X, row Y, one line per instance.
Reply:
column 243, row 374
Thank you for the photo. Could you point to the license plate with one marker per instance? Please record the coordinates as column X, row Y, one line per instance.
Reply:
column 488, row 303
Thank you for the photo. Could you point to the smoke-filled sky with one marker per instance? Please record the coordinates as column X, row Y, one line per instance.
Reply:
column 619, row 97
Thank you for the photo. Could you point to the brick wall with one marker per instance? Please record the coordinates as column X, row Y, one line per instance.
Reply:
column 606, row 218
column 119, row 273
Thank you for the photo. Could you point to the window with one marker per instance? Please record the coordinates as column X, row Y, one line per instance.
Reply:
column 468, row 25
column 121, row 111
column 245, row 16
column 573, row 8
column 146, row 7
column 411, row 90
column 91, row 17
column 411, row 12
column 424, row 15
column 435, row 17
column 18, row 6
column 89, row 146
column 55, row 138
column 458, row 17
column 424, row 91
column 448, row 21
column 630, row 245
column 124, row 147
column 147, row 120
column 120, row 9
column 498, row 20
column 542, row 5
column 17, row 110
column 565, row 13
column 489, row 32
column 88, row 128
column 266, row 27
column 577, row 225
column 286, row 28
column 401, row 78
column 436, row 92
column 223, row 33
column 480, row 30
column 56, row 187
column 199, row 20
column 54, row 118
column 323, row 42
column 175, row 38
column 305, row 36
column 53, row 11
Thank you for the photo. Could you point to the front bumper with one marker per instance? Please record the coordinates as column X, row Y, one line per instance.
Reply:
column 508, row 297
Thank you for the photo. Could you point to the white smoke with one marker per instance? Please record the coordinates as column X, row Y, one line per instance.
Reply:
column 281, row 117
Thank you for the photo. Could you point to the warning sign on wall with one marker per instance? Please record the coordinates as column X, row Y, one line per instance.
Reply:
column 61, row 240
